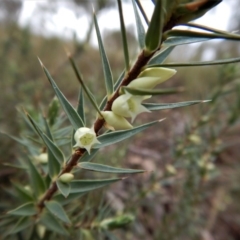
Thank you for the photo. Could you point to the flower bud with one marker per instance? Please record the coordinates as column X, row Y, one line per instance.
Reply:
column 85, row 138
column 151, row 77
column 42, row 158
column 66, row 177
column 128, row 105
column 117, row 222
column 115, row 122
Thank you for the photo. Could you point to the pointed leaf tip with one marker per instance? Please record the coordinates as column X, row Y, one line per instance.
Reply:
column 205, row 101
column 160, row 120
column 40, row 62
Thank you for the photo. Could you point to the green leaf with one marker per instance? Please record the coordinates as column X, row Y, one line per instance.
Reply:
column 163, row 106
column 22, row 224
column 88, row 157
column 57, row 210
column 51, row 223
column 140, row 28
column 193, row 64
column 36, row 180
column 71, row 113
column 106, row 169
column 19, row 140
column 188, row 33
column 19, row 167
column 118, row 136
column 142, row 92
column 56, row 152
column 64, row 188
column 27, row 209
column 154, row 33
column 65, row 200
column 80, row 107
column 106, row 67
column 48, row 130
column 206, row 28
column 142, row 11
column 160, row 57
column 124, row 35
column 54, row 166
column 22, row 193
column 81, row 186
column 85, row 88
column 175, row 41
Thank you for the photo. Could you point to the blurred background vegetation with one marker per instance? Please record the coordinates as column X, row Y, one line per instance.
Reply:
column 194, row 191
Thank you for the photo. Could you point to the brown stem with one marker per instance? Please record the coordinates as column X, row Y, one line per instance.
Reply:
column 69, row 166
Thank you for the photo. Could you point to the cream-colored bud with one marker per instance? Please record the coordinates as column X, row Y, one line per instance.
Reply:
column 66, row 177
column 115, row 122
column 42, row 158
column 151, row 77
column 128, row 105
column 171, row 169
column 85, row 138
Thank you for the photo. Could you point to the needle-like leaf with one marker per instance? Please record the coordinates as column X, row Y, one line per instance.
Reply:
column 106, row 67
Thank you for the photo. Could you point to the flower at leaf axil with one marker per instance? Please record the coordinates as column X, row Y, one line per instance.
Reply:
column 128, row 105
column 66, row 177
column 85, row 138
column 115, row 122
column 151, row 77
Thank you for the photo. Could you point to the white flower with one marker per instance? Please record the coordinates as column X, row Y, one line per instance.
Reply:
column 128, row 105
column 85, row 138
column 115, row 122
column 151, row 77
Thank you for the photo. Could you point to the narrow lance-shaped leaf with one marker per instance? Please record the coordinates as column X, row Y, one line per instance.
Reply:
column 140, row 28
column 51, row 223
column 27, row 209
column 160, row 57
column 53, row 165
column 37, row 182
column 22, row 224
column 203, row 27
column 80, row 107
column 78, row 186
column 22, row 193
column 64, row 188
column 142, row 92
column 163, row 106
column 176, row 41
column 142, row 11
column 154, row 33
column 124, row 35
column 65, row 200
column 192, row 64
column 106, row 67
column 19, row 140
column 71, row 113
column 187, row 33
column 51, row 146
column 118, row 136
column 85, row 88
column 107, row 169
column 57, row 210
column 88, row 157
